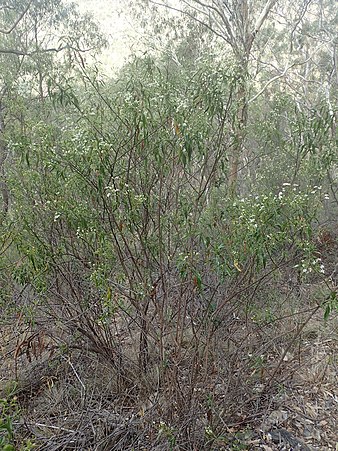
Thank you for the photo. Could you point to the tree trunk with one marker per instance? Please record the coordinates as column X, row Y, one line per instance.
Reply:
column 3, row 156
column 240, row 124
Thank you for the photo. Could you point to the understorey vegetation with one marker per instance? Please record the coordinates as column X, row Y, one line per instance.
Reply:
column 168, row 237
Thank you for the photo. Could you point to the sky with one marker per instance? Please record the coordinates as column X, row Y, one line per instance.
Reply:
column 122, row 36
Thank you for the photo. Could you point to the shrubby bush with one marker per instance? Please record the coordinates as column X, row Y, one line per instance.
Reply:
column 131, row 245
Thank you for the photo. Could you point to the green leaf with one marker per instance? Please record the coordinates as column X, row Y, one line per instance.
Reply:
column 8, row 447
column 327, row 312
column 27, row 158
column 198, row 280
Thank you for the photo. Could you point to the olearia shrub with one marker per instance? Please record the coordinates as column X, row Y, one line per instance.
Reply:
column 124, row 216
column 260, row 228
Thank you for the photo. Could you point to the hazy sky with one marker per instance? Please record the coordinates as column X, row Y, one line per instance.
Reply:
column 119, row 29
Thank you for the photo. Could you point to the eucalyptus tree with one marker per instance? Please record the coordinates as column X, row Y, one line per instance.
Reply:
column 275, row 46
column 39, row 42
column 236, row 24
column 295, row 101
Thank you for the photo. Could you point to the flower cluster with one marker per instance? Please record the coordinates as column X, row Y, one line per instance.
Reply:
column 308, row 266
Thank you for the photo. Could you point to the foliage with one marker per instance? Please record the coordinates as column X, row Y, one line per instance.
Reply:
column 123, row 228
column 9, row 412
column 331, row 304
column 294, row 145
column 113, row 211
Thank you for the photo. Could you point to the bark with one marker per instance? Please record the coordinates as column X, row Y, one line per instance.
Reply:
column 240, row 128
column 246, row 36
column 3, row 156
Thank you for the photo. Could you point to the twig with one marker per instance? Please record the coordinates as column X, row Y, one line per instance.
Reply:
column 42, row 425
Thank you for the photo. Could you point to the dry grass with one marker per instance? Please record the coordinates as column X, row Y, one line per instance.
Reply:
column 269, row 369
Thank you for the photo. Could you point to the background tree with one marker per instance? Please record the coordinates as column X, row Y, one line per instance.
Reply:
column 39, row 43
column 236, row 24
column 261, row 40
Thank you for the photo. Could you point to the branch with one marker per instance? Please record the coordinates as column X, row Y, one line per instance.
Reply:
column 268, row 84
column 186, row 13
column 18, row 20
column 231, row 36
column 263, row 15
column 287, row 68
column 301, row 16
column 261, row 19
column 207, row 11
column 35, row 52
column 26, row 53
